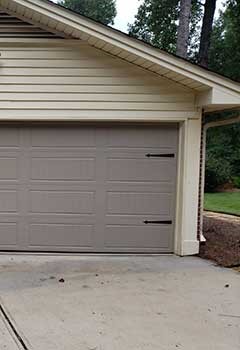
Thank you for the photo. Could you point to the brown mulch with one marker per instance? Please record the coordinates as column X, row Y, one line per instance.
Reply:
column 222, row 233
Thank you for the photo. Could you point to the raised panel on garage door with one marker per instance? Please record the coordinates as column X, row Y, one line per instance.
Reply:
column 87, row 188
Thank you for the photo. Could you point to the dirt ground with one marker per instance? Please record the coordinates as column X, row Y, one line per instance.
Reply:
column 222, row 233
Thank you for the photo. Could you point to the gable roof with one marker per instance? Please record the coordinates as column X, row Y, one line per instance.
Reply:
column 71, row 25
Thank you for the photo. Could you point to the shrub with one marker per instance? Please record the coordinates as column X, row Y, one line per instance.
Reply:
column 218, row 172
column 236, row 181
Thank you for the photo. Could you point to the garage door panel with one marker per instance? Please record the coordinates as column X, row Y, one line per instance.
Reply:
column 134, row 219
column 11, row 238
column 139, row 203
column 137, row 153
column 62, row 202
column 9, row 186
column 60, row 152
column 63, row 137
column 140, row 170
column 54, row 235
column 138, row 186
column 144, row 137
column 8, row 201
column 8, row 168
column 60, row 186
column 51, row 218
column 78, row 169
column 135, row 237
column 10, row 138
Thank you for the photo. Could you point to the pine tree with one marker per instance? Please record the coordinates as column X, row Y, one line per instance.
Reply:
column 207, row 27
column 184, row 28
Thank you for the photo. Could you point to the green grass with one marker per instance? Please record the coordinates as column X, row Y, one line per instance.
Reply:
column 226, row 202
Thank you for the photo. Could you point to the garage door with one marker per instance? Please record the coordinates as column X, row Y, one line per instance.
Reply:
column 87, row 189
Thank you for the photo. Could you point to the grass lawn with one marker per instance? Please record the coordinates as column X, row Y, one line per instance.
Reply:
column 226, row 202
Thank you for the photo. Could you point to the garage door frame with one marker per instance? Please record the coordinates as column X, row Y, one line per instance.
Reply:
column 185, row 232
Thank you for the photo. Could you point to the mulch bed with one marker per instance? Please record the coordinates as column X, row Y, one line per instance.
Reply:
column 222, row 233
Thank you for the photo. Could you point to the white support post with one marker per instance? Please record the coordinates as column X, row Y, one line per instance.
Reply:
column 188, row 188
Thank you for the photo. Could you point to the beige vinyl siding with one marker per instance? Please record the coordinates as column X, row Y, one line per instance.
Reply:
column 12, row 27
column 58, row 20
column 83, row 82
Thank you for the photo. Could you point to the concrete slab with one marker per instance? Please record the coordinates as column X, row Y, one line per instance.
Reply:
column 7, row 341
column 137, row 303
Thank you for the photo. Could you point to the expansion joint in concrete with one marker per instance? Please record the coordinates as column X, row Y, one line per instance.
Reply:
column 14, row 331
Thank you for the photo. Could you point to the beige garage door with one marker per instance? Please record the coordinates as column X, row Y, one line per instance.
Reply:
column 87, row 189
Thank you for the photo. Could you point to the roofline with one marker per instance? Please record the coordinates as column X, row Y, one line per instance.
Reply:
column 132, row 45
column 140, row 40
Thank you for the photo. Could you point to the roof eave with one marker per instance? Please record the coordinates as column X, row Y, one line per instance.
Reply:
column 106, row 38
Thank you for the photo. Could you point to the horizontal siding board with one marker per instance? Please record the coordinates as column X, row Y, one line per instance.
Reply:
column 19, row 35
column 11, row 26
column 71, row 80
column 101, row 105
column 102, row 97
column 19, row 29
column 65, row 88
column 66, row 82
column 35, row 46
column 67, row 72
column 43, row 63
column 50, row 53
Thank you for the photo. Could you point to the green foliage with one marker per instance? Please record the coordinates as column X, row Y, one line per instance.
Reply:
column 103, row 11
column 236, row 181
column 224, row 56
column 156, row 23
column 223, row 155
column 218, row 172
column 223, row 142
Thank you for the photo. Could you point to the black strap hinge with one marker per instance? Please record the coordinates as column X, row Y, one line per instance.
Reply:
column 162, row 222
column 161, row 155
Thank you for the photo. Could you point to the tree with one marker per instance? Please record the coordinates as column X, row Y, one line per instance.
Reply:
column 184, row 28
column 156, row 23
column 210, row 7
column 224, row 56
column 223, row 155
column 103, row 11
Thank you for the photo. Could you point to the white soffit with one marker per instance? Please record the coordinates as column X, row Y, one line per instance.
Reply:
column 70, row 25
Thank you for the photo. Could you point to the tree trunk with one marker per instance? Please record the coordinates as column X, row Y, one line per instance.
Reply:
column 183, row 28
column 210, row 7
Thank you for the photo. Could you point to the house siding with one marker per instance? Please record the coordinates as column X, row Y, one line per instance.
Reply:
column 12, row 27
column 64, row 81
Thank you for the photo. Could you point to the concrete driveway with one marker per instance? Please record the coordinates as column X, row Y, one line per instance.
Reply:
column 117, row 303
